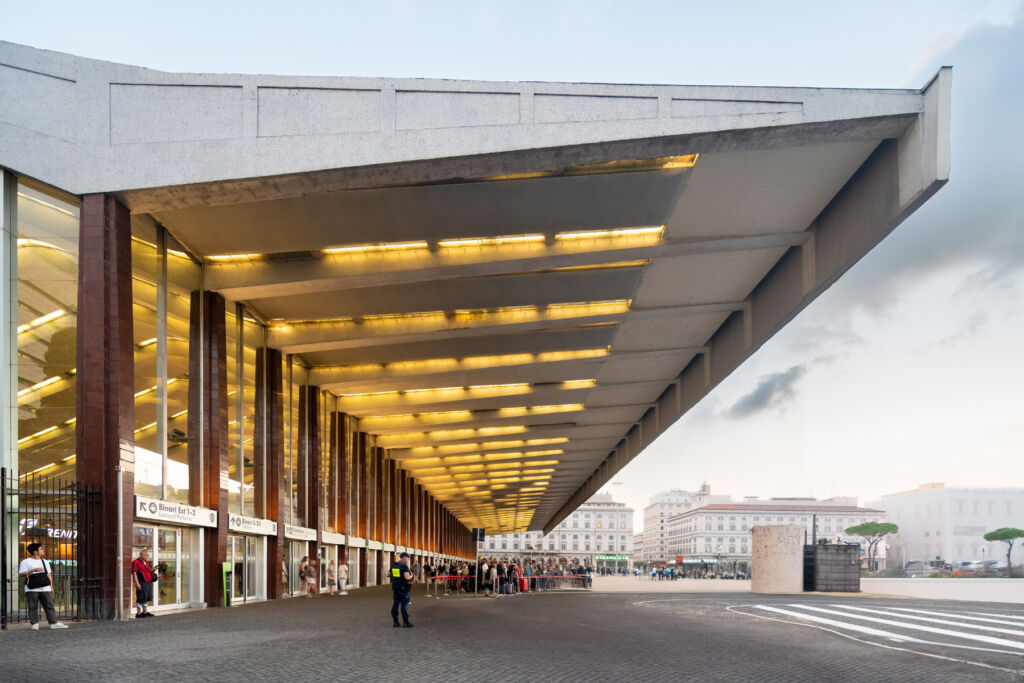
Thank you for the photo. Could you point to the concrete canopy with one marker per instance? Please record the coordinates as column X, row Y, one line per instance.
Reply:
column 515, row 286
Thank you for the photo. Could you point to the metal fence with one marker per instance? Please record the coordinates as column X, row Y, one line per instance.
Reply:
column 65, row 517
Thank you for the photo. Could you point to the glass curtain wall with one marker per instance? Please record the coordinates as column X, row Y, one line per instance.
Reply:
column 47, row 291
column 251, row 461
column 184, row 276
column 163, row 279
column 245, row 340
column 298, row 377
column 147, row 273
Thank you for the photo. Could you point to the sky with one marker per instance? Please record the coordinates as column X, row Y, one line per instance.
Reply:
column 907, row 371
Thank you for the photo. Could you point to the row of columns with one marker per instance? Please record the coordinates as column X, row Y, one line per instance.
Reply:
column 345, row 483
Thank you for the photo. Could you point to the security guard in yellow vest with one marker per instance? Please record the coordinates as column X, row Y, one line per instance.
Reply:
column 401, row 584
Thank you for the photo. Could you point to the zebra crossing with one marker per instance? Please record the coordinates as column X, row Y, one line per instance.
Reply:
column 948, row 628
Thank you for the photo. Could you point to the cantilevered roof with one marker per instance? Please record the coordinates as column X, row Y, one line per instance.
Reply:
column 514, row 286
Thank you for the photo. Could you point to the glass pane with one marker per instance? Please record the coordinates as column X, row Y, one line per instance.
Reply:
column 183, row 277
column 298, row 380
column 146, row 273
column 251, row 461
column 251, row 568
column 236, row 553
column 185, row 566
column 47, row 301
column 142, row 539
column 234, row 467
column 167, row 566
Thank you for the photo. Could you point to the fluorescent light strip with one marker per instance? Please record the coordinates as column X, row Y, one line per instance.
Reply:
column 646, row 231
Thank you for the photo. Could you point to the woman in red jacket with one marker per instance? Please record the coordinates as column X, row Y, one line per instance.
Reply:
column 143, row 576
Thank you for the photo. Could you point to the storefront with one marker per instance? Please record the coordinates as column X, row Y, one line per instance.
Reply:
column 247, row 553
column 374, row 550
column 297, row 540
column 171, row 532
column 332, row 554
column 356, row 553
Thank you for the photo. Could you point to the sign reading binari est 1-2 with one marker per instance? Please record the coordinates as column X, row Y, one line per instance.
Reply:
column 177, row 513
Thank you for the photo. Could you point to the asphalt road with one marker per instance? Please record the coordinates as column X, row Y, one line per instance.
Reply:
column 567, row 636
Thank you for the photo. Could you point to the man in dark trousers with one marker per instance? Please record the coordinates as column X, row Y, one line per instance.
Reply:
column 401, row 584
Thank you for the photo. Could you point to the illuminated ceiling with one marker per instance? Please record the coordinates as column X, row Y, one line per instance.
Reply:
column 501, row 337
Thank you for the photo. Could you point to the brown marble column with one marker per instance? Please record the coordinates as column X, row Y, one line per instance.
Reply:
column 104, row 398
column 276, row 493
column 208, row 449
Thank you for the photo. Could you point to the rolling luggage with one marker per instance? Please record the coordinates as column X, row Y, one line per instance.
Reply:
column 506, row 589
column 524, row 585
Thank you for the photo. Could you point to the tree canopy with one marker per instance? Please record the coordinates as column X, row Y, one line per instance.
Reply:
column 871, row 529
column 1004, row 534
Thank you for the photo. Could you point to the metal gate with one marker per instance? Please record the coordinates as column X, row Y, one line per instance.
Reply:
column 64, row 516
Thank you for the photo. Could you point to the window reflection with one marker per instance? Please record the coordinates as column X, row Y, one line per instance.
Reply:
column 47, row 264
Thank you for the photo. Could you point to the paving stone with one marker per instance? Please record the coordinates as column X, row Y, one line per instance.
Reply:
column 570, row 636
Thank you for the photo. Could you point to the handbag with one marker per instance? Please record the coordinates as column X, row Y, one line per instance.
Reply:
column 39, row 580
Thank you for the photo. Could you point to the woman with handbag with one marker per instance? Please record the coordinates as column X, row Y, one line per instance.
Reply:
column 38, row 575
column 143, row 576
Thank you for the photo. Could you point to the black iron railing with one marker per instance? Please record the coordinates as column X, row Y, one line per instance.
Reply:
column 65, row 517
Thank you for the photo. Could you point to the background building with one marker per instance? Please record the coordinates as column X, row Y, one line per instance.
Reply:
column 663, row 506
column 719, row 532
column 599, row 534
column 941, row 523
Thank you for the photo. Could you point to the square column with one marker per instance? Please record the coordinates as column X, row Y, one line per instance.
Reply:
column 208, row 454
column 104, row 398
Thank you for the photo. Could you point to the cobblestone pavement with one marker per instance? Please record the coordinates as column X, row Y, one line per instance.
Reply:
column 558, row 636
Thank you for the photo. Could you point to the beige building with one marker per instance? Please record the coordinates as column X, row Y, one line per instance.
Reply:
column 719, row 532
column 598, row 534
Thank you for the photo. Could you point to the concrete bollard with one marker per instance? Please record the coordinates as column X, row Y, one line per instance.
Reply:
column 777, row 563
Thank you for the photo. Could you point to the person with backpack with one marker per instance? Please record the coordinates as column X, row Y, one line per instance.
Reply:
column 38, row 575
column 143, row 576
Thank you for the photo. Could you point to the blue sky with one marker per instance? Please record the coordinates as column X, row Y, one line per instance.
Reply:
column 907, row 371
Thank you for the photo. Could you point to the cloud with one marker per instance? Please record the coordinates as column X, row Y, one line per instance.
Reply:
column 977, row 220
column 772, row 391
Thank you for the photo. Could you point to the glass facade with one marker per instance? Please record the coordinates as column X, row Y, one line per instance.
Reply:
column 47, row 295
column 167, row 343
column 245, row 342
column 163, row 279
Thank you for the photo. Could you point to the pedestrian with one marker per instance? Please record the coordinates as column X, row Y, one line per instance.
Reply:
column 303, row 564
column 38, row 575
column 143, row 576
column 416, row 569
column 343, row 578
column 332, row 577
column 311, row 578
column 401, row 585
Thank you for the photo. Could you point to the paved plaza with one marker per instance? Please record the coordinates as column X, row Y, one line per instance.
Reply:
column 557, row 636
column 974, row 590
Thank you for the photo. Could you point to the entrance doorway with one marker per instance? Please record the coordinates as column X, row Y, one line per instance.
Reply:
column 171, row 551
column 246, row 577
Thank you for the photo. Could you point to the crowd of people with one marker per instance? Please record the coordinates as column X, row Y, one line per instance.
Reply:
column 493, row 577
column 674, row 573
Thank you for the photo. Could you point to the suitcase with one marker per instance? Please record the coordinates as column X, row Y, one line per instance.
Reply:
column 524, row 585
column 506, row 589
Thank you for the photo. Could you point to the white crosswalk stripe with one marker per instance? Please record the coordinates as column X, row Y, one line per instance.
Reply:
column 946, row 622
column 1001, row 616
column 933, row 627
column 963, row 616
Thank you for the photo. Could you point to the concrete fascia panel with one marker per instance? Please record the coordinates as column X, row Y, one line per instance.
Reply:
column 129, row 128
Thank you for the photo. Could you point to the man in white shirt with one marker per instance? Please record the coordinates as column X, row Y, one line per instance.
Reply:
column 34, row 564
